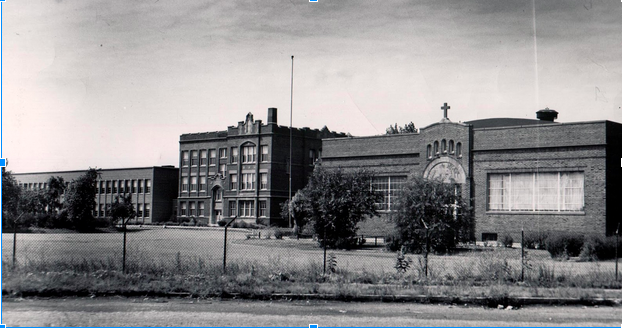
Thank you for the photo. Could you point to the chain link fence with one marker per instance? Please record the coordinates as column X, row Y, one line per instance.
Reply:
column 166, row 249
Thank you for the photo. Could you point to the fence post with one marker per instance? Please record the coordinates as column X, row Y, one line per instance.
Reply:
column 522, row 255
column 224, row 255
column 124, row 242
column 14, row 242
column 617, row 246
column 324, row 250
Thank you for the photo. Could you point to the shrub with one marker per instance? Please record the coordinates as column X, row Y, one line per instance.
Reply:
column 600, row 248
column 535, row 239
column 563, row 245
column 278, row 234
column 507, row 241
column 222, row 223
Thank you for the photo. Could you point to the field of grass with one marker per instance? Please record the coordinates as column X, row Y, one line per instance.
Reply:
column 170, row 249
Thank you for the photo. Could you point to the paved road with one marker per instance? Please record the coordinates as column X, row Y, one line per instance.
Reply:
column 117, row 311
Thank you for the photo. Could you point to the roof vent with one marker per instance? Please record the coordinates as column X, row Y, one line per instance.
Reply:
column 546, row 114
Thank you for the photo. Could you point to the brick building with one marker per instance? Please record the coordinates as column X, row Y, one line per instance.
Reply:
column 243, row 171
column 519, row 173
column 153, row 189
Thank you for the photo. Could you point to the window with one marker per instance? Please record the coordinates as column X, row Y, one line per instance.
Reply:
column 108, row 189
column 147, row 186
column 390, row 188
column 264, row 153
column 223, row 152
column 248, row 181
column 248, row 154
column 435, row 148
column 264, row 181
column 128, row 186
column 212, row 157
column 232, row 210
column 222, row 169
column 201, row 208
column 183, row 207
column 247, row 208
column 134, row 185
column 193, row 183
column 139, row 211
column 185, row 158
column 459, row 149
column 140, row 186
column 429, row 151
column 115, row 186
column 311, row 156
column 234, row 155
column 262, row 208
column 548, row 192
column 184, row 184
column 194, row 158
column 203, row 157
column 234, row 181
column 193, row 208
column 102, row 187
column 451, row 146
column 147, row 210
column 202, row 183
column 102, row 207
column 218, row 195
column 121, row 186
column 444, row 146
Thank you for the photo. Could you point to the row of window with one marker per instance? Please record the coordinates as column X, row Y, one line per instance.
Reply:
column 206, row 157
column 142, row 210
column 247, row 182
column 34, row 186
column 124, row 186
column 444, row 148
column 548, row 191
column 246, row 208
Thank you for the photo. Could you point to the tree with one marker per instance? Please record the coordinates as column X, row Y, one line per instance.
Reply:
column 431, row 216
column 334, row 202
column 80, row 201
column 11, row 193
column 408, row 128
column 56, row 187
column 121, row 210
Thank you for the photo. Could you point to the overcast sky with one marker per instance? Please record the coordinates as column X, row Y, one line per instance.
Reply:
column 114, row 83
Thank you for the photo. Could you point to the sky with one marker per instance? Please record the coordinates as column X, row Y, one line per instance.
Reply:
column 113, row 84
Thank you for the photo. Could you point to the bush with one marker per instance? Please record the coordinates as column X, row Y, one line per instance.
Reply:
column 278, row 233
column 507, row 241
column 222, row 223
column 535, row 239
column 600, row 248
column 563, row 245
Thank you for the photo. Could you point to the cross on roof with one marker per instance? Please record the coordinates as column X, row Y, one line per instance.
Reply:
column 445, row 108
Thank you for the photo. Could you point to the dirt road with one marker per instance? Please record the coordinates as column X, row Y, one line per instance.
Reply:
column 118, row 311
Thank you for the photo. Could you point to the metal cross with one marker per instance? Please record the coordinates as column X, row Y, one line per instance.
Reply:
column 445, row 108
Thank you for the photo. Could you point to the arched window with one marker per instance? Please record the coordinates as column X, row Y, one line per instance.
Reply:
column 459, row 149
column 444, row 146
column 451, row 146
column 429, row 152
column 435, row 147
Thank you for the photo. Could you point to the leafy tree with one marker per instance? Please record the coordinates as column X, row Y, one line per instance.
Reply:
column 297, row 210
column 121, row 210
column 408, row 128
column 334, row 202
column 80, row 200
column 56, row 187
column 32, row 201
column 11, row 193
column 431, row 216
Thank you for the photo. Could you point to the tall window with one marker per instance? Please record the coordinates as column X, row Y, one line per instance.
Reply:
column 232, row 210
column 444, row 146
column 234, row 155
column 140, row 186
column 262, row 208
column 218, row 195
column 222, row 169
column 193, row 183
column 311, row 156
column 202, row 183
column 134, row 186
column 212, row 157
column 121, row 186
column 451, row 146
column 183, row 208
column 248, row 154
column 184, row 184
column 101, row 210
column 248, row 181
column 194, row 161
column 549, row 191
column 429, row 151
column 223, row 152
column 264, row 181
column 233, row 178
column 147, row 186
column 115, row 186
column 203, row 157
column 193, row 208
column 264, row 153
column 185, row 158
column 390, row 188
column 247, row 208
column 201, row 208
column 459, row 149
column 147, row 210
column 436, row 148
column 139, row 211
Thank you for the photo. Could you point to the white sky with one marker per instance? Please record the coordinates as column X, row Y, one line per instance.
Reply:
column 114, row 83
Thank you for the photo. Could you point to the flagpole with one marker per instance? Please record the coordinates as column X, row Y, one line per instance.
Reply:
column 291, row 111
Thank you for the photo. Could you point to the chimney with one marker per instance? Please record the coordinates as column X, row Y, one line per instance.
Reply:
column 546, row 114
column 271, row 115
